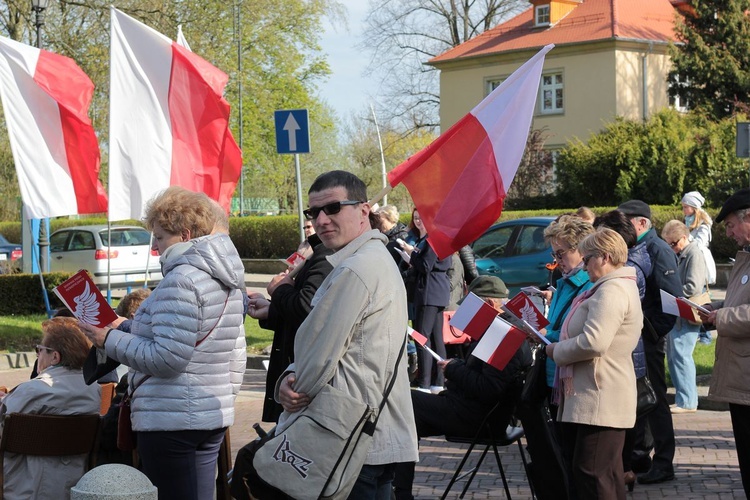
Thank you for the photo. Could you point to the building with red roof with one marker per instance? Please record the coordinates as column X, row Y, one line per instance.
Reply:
column 610, row 59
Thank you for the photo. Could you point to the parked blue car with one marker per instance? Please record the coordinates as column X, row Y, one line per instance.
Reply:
column 515, row 251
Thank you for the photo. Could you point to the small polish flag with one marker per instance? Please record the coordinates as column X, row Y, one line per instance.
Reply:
column 677, row 307
column 523, row 308
column 499, row 343
column 422, row 341
column 169, row 122
column 474, row 316
column 458, row 182
column 46, row 99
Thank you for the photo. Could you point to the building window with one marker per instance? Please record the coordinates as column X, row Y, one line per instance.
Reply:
column 551, row 94
column 492, row 84
column 541, row 15
column 676, row 82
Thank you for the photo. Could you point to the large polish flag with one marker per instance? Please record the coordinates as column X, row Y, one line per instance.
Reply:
column 458, row 183
column 474, row 316
column 46, row 98
column 499, row 344
column 169, row 124
column 677, row 306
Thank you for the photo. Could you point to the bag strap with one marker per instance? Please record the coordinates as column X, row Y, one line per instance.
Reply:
column 370, row 429
column 129, row 394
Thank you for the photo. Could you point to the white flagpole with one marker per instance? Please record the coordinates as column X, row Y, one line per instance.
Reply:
column 382, row 155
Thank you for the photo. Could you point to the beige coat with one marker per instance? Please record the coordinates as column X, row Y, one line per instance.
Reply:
column 730, row 381
column 603, row 332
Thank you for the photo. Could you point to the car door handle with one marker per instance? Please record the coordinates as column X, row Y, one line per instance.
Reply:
column 494, row 270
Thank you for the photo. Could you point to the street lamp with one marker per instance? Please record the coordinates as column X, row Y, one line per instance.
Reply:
column 39, row 6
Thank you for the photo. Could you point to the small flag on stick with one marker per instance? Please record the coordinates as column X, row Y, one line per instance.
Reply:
column 499, row 344
column 474, row 316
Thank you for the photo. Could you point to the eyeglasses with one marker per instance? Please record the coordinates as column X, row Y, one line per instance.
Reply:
column 587, row 258
column 674, row 243
column 559, row 254
column 40, row 348
column 330, row 209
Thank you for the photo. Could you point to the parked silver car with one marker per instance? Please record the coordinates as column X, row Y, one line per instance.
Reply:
column 87, row 247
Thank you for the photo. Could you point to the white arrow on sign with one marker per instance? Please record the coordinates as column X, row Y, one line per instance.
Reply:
column 291, row 126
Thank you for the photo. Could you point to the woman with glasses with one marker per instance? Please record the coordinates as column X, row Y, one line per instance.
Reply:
column 564, row 235
column 185, row 348
column 683, row 336
column 59, row 389
column 595, row 381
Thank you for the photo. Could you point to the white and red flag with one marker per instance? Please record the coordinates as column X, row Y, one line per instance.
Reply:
column 46, row 98
column 523, row 308
column 474, row 316
column 169, row 124
column 458, row 183
column 499, row 344
column 422, row 341
column 678, row 306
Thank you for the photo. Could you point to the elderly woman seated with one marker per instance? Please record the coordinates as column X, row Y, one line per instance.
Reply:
column 59, row 389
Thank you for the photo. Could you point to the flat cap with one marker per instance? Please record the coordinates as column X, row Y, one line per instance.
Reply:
column 489, row 286
column 738, row 201
column 635, row 208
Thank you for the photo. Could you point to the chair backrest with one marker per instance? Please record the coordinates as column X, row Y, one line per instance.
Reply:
column 49, row 435
column 108, row 394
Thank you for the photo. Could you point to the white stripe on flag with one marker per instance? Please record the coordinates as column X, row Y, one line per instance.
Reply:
column 466, row 311
column 491, row 340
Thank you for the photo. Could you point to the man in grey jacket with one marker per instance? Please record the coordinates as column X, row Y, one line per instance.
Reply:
column 354, row 333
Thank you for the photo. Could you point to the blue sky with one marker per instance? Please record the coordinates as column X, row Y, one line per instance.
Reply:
column 346, row 90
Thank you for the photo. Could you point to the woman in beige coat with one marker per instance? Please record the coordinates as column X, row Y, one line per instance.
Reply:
column 595, row 380
column 730, row 381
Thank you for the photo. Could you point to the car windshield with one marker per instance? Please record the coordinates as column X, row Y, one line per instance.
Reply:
column 3, row 241
column 127, row 237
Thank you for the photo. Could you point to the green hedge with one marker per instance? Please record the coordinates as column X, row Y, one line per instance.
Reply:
column 22, row 293
column 278, row 236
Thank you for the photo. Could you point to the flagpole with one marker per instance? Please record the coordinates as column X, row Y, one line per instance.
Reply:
column 239, row 96
column 382, row 194
column 382, row 155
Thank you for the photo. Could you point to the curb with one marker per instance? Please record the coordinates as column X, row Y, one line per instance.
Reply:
column 255, row 362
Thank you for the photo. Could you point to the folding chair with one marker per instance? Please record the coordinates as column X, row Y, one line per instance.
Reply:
column 108, row 394
column 49, row 435
column 488, row 437
column 224, row 464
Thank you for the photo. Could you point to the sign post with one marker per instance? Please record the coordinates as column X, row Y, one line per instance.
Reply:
column 293, row 137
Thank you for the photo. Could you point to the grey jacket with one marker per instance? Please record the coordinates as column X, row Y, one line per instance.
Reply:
column 692, row 270
column 191, row 387
column 351, row 339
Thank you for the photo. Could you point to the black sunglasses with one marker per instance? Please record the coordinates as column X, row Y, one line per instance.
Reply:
column 330, row 209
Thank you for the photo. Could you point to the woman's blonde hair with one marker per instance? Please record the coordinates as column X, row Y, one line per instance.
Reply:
column 701, row 217
column 674, row 229
column 568, row 229
column 605, row 241
column 177, row 209
column 64, row 336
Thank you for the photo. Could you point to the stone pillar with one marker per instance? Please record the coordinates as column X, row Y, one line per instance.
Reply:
column 114, row 481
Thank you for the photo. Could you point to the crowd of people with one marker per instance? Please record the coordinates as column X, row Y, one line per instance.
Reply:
column 340, row 317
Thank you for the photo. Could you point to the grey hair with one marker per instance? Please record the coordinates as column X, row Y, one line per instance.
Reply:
column 742, row 213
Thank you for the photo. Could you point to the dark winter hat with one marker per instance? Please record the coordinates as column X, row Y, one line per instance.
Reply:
column 635, row 208
column 738, row 201
column 489, row 286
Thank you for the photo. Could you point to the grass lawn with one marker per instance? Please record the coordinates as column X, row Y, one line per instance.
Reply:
column 22, row 333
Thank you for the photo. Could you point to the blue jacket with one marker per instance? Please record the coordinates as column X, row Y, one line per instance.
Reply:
column 433, row 288
column 567, row 290
column 663, row 277
column 639, row 258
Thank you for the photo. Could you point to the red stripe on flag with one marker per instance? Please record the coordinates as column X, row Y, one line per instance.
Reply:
column 199, row 118
column 69, row 86
column 507, row 348
column 418, row 337
column 480, row 322
column 455, row 184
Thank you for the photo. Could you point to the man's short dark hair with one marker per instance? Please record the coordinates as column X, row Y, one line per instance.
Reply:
column 620, row 223
column 355, row 188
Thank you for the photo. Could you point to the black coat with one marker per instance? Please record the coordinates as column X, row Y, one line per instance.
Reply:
column 290, row 305
column 399, row 230
column 432, row 285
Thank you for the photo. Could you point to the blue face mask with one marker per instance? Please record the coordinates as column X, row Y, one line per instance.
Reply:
column 689, row 219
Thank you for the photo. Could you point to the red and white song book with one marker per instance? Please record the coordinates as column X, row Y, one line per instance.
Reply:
column 523, row 314
column 499, row 343
column 85, row 301
column 474, row 316
column 681, row 307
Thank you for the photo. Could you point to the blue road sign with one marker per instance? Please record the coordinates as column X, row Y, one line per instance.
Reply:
column 292, row 131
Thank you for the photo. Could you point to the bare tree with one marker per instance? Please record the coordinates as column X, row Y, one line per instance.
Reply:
column 402, row 35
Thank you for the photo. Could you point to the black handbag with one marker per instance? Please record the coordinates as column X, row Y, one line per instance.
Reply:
column 534, row 390
column 646, row 397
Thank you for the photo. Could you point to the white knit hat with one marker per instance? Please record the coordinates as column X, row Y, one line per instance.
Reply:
column 693, row 199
